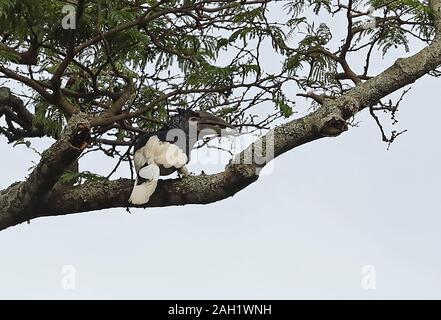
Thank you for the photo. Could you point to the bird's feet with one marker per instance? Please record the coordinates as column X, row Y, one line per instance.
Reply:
column 183, row 172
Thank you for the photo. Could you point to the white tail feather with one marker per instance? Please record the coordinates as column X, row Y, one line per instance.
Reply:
column 141, row 193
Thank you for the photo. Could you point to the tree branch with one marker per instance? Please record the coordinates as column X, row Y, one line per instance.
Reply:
column 20, row 200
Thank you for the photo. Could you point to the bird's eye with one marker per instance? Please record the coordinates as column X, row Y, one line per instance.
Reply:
column 193, row 119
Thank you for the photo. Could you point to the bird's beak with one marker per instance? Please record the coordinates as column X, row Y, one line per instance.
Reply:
column 208, row 122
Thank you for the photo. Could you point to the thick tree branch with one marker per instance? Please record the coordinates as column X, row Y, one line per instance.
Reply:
column 15, row 112
column 27, row 81
column 20, row 200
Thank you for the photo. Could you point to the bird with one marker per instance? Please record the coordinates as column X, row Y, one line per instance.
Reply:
column 167, row 150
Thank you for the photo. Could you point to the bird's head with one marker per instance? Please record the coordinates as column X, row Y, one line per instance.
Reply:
column 201, row 122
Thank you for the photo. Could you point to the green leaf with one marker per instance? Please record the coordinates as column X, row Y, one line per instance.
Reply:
column 84, row 177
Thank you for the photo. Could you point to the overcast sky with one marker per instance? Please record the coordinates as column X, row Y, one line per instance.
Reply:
column 307, row 229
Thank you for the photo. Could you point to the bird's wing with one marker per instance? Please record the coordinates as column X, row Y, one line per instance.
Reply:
column 161, row 153
column 139, row 158
column 169, row 155
column 150, row 172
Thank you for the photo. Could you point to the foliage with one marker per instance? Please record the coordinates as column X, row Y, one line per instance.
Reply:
column 80, row 177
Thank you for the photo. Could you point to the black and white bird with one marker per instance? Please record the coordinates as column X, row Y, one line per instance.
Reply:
column 163, row 152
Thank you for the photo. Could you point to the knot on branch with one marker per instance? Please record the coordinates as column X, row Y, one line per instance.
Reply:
column 239, row 175
column 333, row 127
column 77, row 131
column 405, row 65
column 81, row 138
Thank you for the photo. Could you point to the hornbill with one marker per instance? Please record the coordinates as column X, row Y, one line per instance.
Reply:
column 167, row 150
